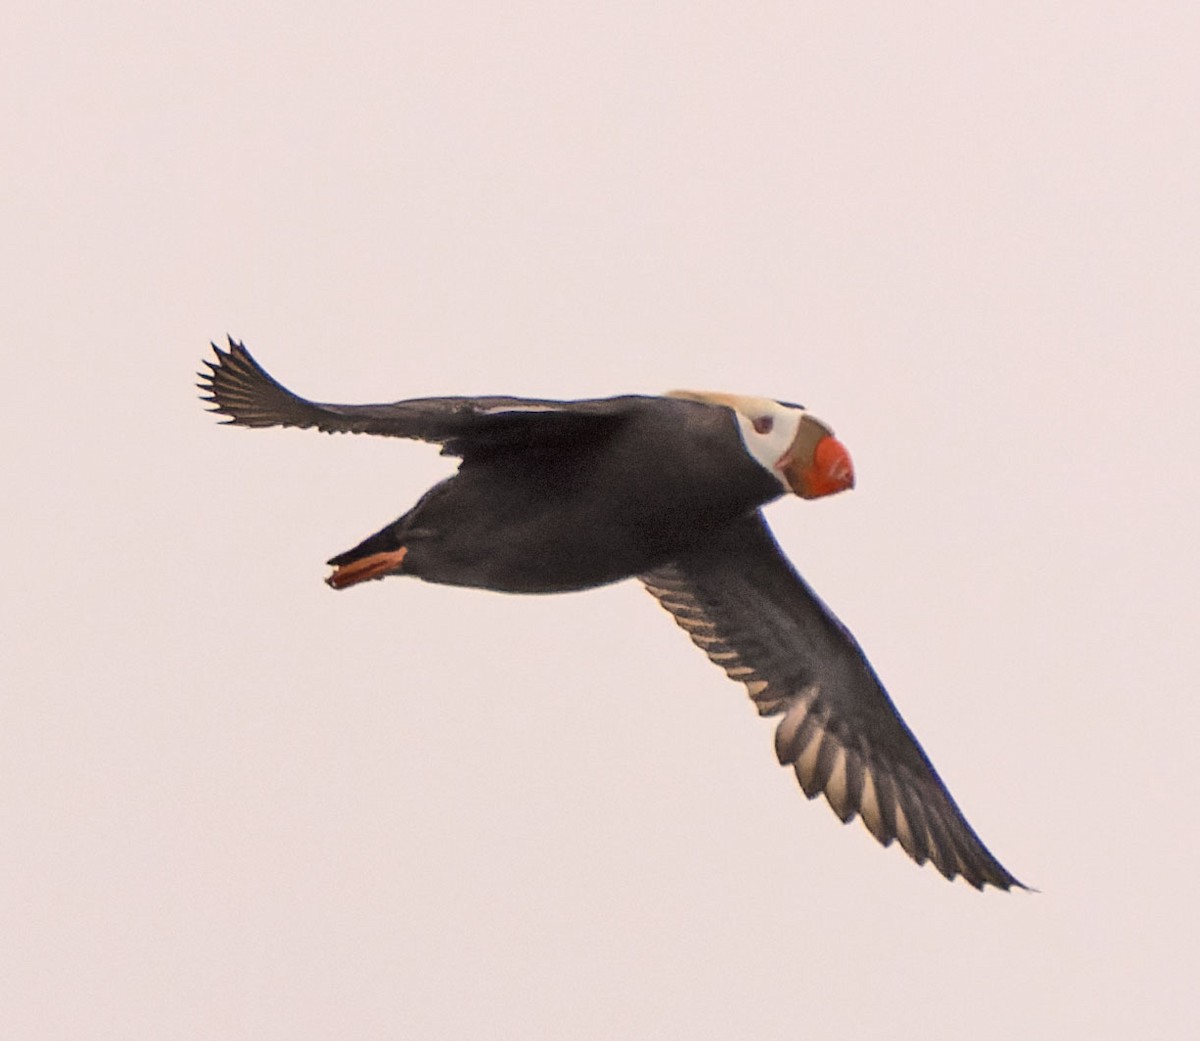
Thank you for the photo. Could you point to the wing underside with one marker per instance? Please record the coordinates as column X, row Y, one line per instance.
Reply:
column 743, row 604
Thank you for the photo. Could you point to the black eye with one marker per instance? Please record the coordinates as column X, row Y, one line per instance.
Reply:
column 763, row 424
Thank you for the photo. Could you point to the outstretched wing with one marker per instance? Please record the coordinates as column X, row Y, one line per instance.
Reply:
column 242, row 390
column 745, row 606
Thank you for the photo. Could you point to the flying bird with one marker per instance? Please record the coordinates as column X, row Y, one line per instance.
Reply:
column 553, row 496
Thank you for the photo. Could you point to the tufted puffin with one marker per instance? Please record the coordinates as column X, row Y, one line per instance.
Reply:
column 552, row 496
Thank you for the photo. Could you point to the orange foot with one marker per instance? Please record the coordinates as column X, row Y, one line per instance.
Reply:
column 375, row 566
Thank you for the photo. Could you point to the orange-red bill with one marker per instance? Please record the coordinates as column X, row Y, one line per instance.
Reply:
column 375, row 566
column 830, row 470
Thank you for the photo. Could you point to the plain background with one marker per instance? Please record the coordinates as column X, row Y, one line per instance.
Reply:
column 236, row 805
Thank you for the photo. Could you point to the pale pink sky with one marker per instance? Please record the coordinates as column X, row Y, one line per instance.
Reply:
column 236, row 805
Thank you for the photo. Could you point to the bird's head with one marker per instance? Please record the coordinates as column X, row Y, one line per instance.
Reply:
column 787, row 441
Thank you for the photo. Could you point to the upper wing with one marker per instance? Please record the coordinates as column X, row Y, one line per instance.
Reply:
column 242, row 390
column 745, row 606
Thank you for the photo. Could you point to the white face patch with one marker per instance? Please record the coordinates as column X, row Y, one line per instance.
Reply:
column 768, row 428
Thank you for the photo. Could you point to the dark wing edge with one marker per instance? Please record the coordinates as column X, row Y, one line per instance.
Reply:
column 743, row 604
column 247, row 395
column 244, row 392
